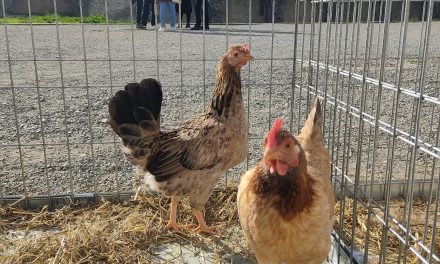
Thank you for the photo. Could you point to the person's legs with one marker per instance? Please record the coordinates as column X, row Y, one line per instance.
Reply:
column 139, row 4
column 198, row 11
column 177, row 16
column 199, row 17
column 188, row 20
column 207, row 9
column 145, row 12
column 163, row 14
column 172, row 8
column 153, row 14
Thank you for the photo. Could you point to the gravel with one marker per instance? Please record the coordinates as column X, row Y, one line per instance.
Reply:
column 77, row 152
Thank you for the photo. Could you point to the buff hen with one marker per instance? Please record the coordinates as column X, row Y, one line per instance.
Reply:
column 286, row 202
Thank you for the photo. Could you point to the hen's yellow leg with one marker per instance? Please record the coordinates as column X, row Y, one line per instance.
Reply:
column 172, row 224
column 202, row 224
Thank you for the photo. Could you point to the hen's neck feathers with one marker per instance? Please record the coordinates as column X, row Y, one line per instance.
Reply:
column 228, row 86
column 290, row 194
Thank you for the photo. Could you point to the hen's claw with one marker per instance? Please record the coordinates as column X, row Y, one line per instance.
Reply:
column 207, row 229
column 203, row 228
column 173, row 226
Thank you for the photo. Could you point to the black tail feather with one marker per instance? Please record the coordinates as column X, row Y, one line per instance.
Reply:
column 138, row 104
column 151, row 97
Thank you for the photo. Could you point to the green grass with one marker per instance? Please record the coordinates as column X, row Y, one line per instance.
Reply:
column 413, row 19
column 50, row 19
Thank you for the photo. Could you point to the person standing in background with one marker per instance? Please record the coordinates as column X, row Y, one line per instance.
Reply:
column 142, row 10
column 186, row 9
column 171, row 7
column 199, row 17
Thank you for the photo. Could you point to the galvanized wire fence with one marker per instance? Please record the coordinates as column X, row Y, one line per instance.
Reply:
column 379, row 82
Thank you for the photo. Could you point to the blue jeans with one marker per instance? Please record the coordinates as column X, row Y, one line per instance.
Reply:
column 171, row 7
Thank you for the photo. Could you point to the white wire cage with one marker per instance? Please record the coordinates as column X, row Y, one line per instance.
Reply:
column 374, row 64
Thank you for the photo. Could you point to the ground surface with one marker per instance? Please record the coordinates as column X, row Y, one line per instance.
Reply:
column 127, row 232
column 68, row 91
column 133, row 232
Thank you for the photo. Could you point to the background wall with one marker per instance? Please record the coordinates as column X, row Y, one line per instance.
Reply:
column 238, row 10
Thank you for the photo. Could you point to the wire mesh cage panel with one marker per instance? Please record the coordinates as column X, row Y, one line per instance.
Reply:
column 375, row 66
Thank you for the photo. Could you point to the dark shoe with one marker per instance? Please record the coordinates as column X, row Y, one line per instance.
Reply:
column 188, row 26
column 140, row 26
column 197, row 27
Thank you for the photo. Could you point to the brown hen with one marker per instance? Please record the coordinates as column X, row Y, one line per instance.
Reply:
column 189, row 160
column 286, row 202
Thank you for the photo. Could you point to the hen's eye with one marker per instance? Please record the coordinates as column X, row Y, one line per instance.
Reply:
column 287, row 145
column 235, row 54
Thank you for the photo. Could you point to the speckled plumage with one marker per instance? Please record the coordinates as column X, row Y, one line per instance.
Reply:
column 288, row 219
column 189, row 160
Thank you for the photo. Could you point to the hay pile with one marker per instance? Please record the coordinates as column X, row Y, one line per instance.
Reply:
column 129, row 232
column 133, row 232
column 393, row 244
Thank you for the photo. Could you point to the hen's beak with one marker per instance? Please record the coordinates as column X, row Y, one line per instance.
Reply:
column 249, row 57
column 279, row 160
column 274, row 159
column 271, row 154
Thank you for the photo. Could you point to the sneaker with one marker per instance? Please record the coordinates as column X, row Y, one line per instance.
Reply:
column 140, row 26
column 161, row 29
column 172, row 29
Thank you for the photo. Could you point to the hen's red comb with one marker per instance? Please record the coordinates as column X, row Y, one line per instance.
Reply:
column 273, row 133
column 245, row 47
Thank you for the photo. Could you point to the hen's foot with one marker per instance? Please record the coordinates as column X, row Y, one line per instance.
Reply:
column 173, row 226
column 207, row 229
column 203, row 227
